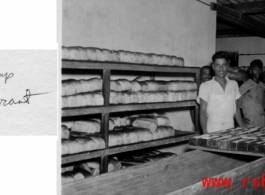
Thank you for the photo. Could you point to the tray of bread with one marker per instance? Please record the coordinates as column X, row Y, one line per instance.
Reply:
column 247, row 141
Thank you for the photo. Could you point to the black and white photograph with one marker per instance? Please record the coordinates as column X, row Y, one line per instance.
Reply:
column 162, row 97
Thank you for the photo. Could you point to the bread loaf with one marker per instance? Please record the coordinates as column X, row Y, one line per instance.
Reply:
column 83, row 166
column 74, row 53
column 162, row 121
column 91, row 54
column 166, row 60
column 100, row 142
column 123, row 121
column 145, row 135
column 99, row 55
column 170, row 131
column 77, row 174
column 93, row 164
column 81, row 100
column 72, row 101
column 65, row 53
column 125, row 84
column 65, row 132
column 116, row 121
column 133, row 97
column 94, row 172
column 130, row 120
column 90, row 126
column 114, row 97
column 152, row 97
column 124, row 98
column 138, row 58
column 68, row 168
column 126, row 139
column 116, row 56
column 133, row 57
column 133, row 136
column 91, row 85
column 144, row 86
column 152, row 85
column 115, row 139
column 175, row 61
column 73, row 146
column 171, row 61
column 64, row 102
column 64, row 147
column 107, row 55
column 181, row 61
column 142, row 97
column 90, row 99
column 83, row 144
column 99, row 98
column 160, row 97
column 68, row 88
column 160, row 60
column 124, row 56
column 112, row 140
column 111, row 124
column 67, row 177
column 115, row 86
column 147, row 123
column 183, row 95
column 90, row 144
column 135, row 86
column 116, row 164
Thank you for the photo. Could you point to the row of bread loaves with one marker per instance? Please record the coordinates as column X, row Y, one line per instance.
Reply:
column 151, row 85
column 82, row 144
column 72, row 86
column 103, row 55
column 93, row 125
column 131, row 135
column 128, row 136
column 151, row 97
column 81, row 100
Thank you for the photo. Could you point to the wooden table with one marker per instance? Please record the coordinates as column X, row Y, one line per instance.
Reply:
column 179, row 175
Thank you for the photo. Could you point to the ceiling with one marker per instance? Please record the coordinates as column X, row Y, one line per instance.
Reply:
column 236, row 18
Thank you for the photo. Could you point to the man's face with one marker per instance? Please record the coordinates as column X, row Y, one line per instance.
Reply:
column 255, row 72
column 206, row 74
column 220, row 67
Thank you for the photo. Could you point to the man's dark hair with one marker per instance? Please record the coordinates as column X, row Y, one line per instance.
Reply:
column 256, row 63
column 206, row 66
column 221, row 54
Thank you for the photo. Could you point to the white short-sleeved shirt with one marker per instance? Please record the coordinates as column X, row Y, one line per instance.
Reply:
column 221, row 104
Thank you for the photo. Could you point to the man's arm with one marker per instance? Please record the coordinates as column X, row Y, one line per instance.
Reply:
column 242, row 122
column 203, row 115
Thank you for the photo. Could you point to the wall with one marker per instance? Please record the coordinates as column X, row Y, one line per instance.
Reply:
column 244, row 45
column 172, row 27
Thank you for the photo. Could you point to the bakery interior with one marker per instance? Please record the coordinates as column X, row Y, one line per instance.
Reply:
column 130, row 79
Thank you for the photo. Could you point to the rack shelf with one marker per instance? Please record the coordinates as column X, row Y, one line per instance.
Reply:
column 183, row 136
column 127, row 67
column 105, row 110
column 125, row 107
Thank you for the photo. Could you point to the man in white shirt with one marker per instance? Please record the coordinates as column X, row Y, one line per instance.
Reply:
column 217, row 98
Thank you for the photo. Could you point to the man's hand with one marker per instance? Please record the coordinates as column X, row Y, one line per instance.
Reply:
column 245, row 121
